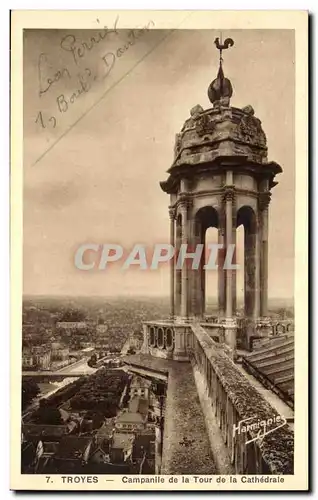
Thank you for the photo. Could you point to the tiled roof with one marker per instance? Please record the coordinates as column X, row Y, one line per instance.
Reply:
column 41, row 431
column 106, row 430
column 28, row 452
column 64, row 415
column 148, row 362
column 140, row 382
column 73, row 447
column 144, row 443
column 139, row 405
column 130, row 418
column 50, row 447
column 102, row 444
column 122, row 440
column 272, row 363
column 107, row 468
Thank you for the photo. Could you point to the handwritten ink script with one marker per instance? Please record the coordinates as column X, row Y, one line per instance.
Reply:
column 86, row 63
column 261, row 427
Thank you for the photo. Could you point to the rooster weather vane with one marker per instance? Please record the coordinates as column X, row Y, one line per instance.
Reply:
column 228, row 42
column 221, row 88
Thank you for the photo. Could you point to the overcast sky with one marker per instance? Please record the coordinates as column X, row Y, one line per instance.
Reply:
column 92, row 166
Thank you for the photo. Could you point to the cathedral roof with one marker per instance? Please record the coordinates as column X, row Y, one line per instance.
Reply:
column 272, row 363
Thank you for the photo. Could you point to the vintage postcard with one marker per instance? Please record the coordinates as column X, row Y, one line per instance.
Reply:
column 159, row 205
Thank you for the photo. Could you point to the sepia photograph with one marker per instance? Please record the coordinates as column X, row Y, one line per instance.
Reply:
column 158, row 335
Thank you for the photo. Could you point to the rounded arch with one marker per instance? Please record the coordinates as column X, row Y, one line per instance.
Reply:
column 246, row 217
column 152, row 336
column 169, row 338
column 207, row 216
column 160, row 337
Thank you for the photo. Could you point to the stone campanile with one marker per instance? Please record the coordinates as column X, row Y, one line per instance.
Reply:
column 221, row 178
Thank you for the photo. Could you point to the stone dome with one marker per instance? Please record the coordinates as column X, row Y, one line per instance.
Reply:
column 220, row 88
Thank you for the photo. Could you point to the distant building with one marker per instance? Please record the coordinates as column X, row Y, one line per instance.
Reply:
column 101, row 452
column 43, row 360
column 59, row 351
column 102, row 328
column 88, row 351
column 37, row 357
column 135, row 342
column 28, row 457
column 107, row 429
column 71, row 325
column 85, row 345
column 145, row 446
column 130, row 422
column 52, row 433
column 73, row 453
column 139, row 405
column 140, row 387
column 121, row 447
column 46, row 449
column 27, row 359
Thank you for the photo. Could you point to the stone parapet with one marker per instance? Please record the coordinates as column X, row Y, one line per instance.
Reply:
column 236, row 402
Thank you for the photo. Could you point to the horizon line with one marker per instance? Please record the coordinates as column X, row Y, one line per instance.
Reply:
column 131, row 296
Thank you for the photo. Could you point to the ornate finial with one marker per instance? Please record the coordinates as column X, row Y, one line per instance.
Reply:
column 220, row 90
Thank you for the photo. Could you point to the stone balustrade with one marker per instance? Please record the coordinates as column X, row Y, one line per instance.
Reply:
column 166, row 339
column 282, row 326
column 236, row 403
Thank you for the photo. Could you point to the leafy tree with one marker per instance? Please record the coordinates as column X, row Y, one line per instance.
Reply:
column 92, row 360
column 48, row 416
column 30, row 390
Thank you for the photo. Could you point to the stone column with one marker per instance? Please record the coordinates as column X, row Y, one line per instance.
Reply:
column 234, row 262
column 202, row 272
column 177, row 302
column 172, row 261
column 257, row 261
column 194, row 281
column 184, row 271
column 264, row 203
column 230, row 323
column 221, row 273
column 229, row 195
column 249, row 271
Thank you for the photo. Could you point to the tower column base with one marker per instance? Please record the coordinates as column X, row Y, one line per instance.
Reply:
column 230, row 332
column 264, row 326
column 257, row 328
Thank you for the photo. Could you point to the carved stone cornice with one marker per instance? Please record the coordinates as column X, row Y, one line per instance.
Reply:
column 250, row 130
column 264, row 200
column 184, row 201
column 204, row 125
column 220, row 192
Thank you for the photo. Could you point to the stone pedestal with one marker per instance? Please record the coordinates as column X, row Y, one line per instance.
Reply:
column 255, row 329
column 180, row 346
column 230, row 331
column 263, row 327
